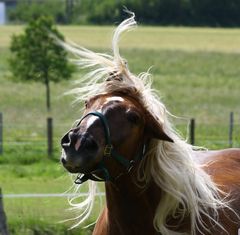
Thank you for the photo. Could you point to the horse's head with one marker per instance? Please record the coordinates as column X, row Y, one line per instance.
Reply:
column 110, row 137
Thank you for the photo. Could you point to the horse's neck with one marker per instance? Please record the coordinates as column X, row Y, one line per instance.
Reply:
column 129, row 205
column 131, row 209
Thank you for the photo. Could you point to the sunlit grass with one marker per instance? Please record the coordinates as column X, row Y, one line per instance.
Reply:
column 42, row 214
column 167, row 38
column 29, row 216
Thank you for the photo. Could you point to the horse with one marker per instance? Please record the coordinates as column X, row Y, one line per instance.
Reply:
column 155, row 182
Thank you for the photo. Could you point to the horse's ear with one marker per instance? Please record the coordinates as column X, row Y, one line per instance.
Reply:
column 155, row 130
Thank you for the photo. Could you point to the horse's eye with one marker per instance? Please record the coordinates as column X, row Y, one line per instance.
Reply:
column 133, row 117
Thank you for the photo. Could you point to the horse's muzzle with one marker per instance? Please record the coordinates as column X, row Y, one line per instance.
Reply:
column 79, row 152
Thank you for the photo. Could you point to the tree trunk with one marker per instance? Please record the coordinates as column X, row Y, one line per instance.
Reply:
column 47, row 82
column 49, row 120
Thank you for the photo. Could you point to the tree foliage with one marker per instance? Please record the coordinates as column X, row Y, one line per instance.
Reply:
column 167, row 12
column 26, row 10
column 161, row 12
column 36, row 56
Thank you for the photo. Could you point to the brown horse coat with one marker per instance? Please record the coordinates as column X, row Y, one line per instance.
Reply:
column 128, row 214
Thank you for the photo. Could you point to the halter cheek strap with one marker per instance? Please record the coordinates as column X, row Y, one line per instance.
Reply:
column 109, row 151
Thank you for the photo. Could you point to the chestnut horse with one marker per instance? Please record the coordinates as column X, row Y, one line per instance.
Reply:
column 155, row 182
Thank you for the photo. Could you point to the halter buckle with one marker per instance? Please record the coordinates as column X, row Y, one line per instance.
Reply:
column 131, row 165
column 108, row 150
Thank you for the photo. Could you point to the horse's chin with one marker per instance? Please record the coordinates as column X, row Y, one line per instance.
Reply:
column 78, row 169
column 79, row 164
column 73, row 170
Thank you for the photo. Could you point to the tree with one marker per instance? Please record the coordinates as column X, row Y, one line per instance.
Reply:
column 36, row 55
column 26, row 10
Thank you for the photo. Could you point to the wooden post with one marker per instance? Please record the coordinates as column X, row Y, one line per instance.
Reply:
column 231, row 124
column 1, row 133
column 192, row 131
column 50, row 136
column 3, row 219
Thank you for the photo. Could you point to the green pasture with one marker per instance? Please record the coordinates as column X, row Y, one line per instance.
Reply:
column 195, row 70
column 156, row 38
column 39, row 215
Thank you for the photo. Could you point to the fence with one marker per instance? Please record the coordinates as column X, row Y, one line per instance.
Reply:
column 38, row 137
column 1, row 133
column 44, row 197
column 3, row 219
column 37, row 204
column 230, row 140
column 42, row 138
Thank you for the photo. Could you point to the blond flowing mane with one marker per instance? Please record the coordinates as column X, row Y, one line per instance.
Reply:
column 187, row 191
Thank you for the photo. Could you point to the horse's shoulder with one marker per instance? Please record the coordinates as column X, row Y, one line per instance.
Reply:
column 222, row 165
column 218, row 156
column 223, row 157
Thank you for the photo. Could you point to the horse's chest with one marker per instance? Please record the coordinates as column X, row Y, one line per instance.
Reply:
column 134, row 222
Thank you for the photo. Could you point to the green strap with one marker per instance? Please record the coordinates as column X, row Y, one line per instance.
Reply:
column 104, row 122
column 121, row 159
column 107, row 176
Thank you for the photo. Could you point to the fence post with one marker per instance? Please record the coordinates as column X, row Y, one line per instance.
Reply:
column 3, row 219
column 50, row 136
column 231, row 124
column 1, row 134
column 192, row 131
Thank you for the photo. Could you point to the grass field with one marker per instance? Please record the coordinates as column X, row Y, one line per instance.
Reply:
column 156, row 38
column 196, row 71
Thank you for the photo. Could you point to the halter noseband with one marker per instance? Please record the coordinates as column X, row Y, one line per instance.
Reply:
column 109, row 151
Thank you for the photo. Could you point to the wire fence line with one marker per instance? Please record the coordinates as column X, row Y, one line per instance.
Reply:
column 36, row 136
column 206, row 136
column 48, row 195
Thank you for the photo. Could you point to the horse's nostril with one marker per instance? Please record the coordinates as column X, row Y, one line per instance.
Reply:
column 63, row 160
column 71, row 135
column 65, row 145
column 68, row 139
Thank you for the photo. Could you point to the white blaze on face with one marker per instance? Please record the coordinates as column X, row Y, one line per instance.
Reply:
column 89, row 122
column 91, row 119
column 114, row 98
column 239, row 231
